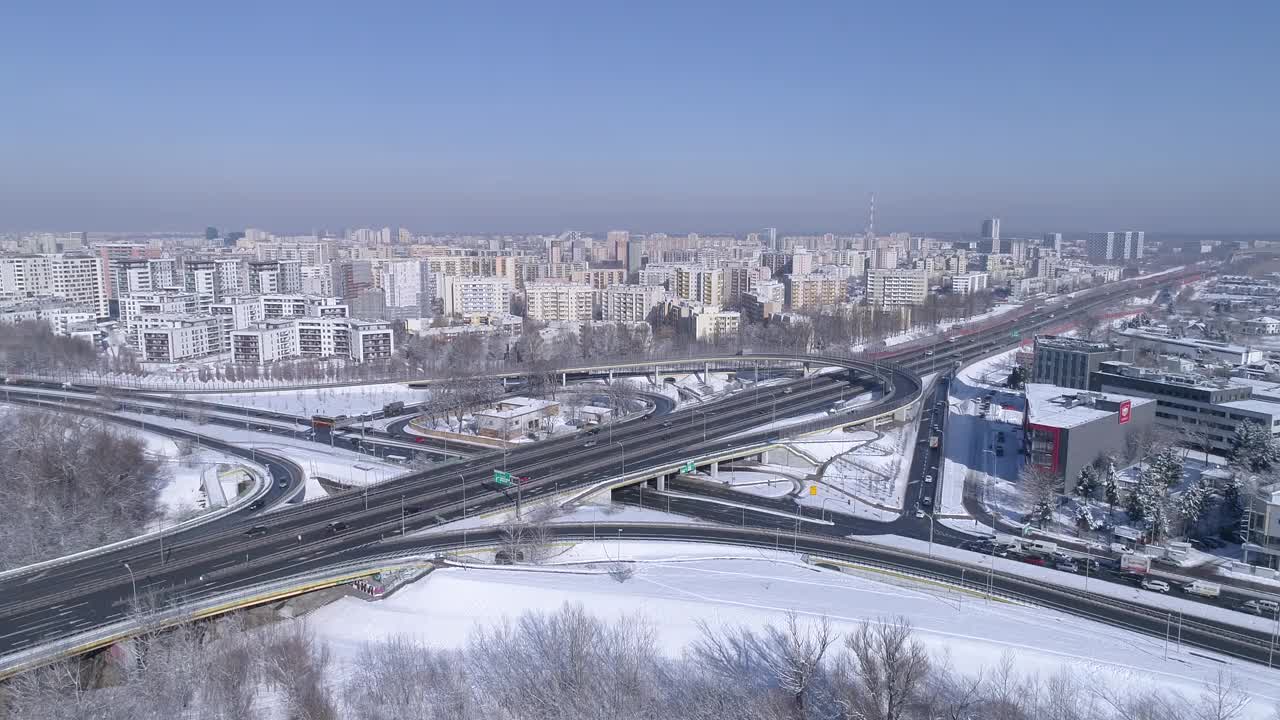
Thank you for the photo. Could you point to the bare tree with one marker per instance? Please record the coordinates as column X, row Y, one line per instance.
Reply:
column 795, row 652
column 883, row 672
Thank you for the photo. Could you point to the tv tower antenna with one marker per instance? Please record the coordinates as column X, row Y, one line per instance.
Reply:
column 871, row 224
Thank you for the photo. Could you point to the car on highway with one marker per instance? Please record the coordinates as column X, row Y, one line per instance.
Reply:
column 1067, row 566
column 928, row 478
column 1166, row 561
column 926, row 501
column 412, row 510
column 256, row 505
column 1155, row 585
column 919, row 513
column 786, row 391
column 523, row 479
column 589, row 443
column 1032, row 559
column 1270, row 608
column 419, row 439
column 338, row 526
column 283, row 483
column 257, row 531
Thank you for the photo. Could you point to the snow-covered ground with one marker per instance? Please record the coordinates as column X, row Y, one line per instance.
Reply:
column 316, row 460
column 760, row 484
column 348, row 400
column 868, row 473
column 183, row 496
column 677, row 585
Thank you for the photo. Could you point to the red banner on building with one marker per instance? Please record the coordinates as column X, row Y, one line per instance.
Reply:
column 1124, row 412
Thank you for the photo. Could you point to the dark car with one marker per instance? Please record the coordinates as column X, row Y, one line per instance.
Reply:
column 257, row 531
column 412, row 509
column 283, row 483
column 256, row 505
column 338, row 526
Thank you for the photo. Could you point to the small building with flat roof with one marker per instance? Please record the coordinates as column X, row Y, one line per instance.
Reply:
column 1067, row 429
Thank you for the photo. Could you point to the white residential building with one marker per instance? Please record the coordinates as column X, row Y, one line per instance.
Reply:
column 272, row 340
column 79, row 279
column 236, row 313
column 283, row 306
column 892, row 288
column 176, row 338
column 969, row 283
column 317, row 280
column 401, row 283
column 166, row 302
column 630, row 303
column 554, row 301
column 475, row 295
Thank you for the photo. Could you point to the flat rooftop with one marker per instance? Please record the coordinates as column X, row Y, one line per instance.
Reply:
column 1051, row 406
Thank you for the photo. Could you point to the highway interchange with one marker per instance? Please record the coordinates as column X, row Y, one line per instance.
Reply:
column 247, row 546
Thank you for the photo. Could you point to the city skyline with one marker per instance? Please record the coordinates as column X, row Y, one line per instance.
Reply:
column 586, row 115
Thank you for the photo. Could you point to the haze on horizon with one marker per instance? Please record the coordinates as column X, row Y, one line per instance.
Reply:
column 503, row 117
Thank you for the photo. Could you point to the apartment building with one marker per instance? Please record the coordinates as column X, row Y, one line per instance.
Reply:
column 466, row 295
column 317, row 280
column 318, row 337
column 79, row 279
column 893, row 288
column 1110, row 247
column 700, row 321
column 806, row 292
column 630, row 303
column 296, row 305
column 699, row 284
column 236, row 313
column 275, row 276
column 969, row 283
column 555, row 301
column 305, row 250
column 168, row 338
column 166, row 302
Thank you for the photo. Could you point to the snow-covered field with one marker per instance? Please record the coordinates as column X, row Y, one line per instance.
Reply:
column 677, row 585
column 349, row 400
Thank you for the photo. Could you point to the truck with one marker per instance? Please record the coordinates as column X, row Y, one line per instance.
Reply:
column 1202, row 588
column 1135, row 564
column 933, row 441
column 393, row 408
column 1040, row 546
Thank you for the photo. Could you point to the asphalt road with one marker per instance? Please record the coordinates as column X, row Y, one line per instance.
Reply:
column 38, row 607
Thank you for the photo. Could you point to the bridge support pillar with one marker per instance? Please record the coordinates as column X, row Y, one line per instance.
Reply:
column 715, row 469
column 808, row 370
column 706, row 370
column 662, row 482
column 564, row 379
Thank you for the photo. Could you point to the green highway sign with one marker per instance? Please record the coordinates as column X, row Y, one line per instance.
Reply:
column 687, row 467
column 502, row 477
column 1015, row 333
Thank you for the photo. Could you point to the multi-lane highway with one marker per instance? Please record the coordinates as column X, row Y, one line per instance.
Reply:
column 54, row 602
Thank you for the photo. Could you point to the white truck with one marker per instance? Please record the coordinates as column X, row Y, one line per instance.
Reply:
column 1135, row 563
column 1202, row 588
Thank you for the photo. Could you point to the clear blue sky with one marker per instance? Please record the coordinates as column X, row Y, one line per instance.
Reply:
column 657, row 115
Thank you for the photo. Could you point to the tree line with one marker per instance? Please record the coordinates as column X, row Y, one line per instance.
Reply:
column 570, row 665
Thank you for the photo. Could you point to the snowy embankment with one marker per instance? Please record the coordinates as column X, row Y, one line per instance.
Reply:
column 315, row 459
column 676, row 586
column 346, row 400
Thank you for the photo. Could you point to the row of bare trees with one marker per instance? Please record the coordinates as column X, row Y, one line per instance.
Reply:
column 570, row 665
column 68, row 483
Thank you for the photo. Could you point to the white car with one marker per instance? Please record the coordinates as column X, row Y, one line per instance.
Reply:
column 1155, row 585
column 928, row 478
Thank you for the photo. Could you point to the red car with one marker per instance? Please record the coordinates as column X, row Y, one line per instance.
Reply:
column 419, row 439
column 1033, row 559
column 522, row 479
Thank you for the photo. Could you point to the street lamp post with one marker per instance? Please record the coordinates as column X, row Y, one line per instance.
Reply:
column 624, row 455
column 134, row 583
column 463, row 482
column 402, row 516
column 365, row 469
column 931, row 534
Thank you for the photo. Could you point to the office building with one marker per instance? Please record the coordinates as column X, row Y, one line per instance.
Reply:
column 635, row 255
column 1066, row 430
column 1159, row 342
column 1052, row 241
column 1205, row 411
column 991, row 233
column 1113, row 247
column 1068, row 362
column 616, row 245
